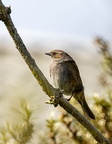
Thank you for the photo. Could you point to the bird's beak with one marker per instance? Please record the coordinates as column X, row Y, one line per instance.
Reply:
column 48, row 54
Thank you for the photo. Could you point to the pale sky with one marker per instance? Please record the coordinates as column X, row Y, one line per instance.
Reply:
column 79, row 18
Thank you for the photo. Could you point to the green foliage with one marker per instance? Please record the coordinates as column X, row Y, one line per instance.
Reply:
column 19, row 133
column 106, row 54
column 65, row 129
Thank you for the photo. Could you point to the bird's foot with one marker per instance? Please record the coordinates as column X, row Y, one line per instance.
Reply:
column 68, row 99
column 54, row 99
column 51, row 100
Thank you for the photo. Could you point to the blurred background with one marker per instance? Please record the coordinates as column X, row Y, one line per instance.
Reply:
column 44, row 25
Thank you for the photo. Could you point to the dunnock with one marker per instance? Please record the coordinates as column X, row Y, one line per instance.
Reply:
column 66, row 77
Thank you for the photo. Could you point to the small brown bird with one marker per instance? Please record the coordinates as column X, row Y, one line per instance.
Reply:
column 66, row 77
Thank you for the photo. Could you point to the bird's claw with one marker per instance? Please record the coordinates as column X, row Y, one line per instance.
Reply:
column 52, row 100
column 55, row 99
column 68, row 99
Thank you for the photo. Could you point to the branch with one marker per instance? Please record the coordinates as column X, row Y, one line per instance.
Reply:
column 47, row 88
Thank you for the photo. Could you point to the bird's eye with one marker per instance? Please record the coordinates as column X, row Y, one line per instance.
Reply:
column 57, row 55
column 54, row 53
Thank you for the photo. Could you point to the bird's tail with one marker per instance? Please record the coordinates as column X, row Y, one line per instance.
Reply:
column 81, row 99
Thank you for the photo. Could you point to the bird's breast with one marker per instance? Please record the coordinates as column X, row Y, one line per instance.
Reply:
column 62, row 78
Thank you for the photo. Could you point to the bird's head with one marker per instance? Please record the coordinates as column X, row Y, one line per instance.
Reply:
column 59, row 56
